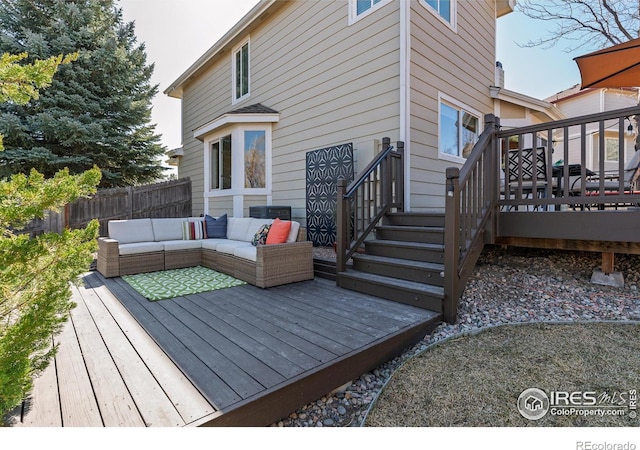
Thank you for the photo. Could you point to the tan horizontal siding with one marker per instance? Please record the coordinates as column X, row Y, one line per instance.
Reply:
column 221, row 205
column 331, row 83
column 460, row 65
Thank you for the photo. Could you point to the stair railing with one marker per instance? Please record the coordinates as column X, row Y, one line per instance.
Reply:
column 471, row 199
column 360, row 206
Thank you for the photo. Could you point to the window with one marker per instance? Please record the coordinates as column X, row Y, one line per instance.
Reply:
column 241, row 72
column 254, row 159
column 237, row 161
column 360, row 8
column 612, row 149
column 459, row 130
column 365, row 5
column 221, row 163
column 445, row 9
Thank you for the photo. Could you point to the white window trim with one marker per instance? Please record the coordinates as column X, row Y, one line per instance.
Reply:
column 235, row 50
column 444, row 98
column 353, row 10
column 237, row 161
column 454, row 14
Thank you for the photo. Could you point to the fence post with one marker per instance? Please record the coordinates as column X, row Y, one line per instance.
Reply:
column 341, row 225
column 451, row 244
column 130, row 202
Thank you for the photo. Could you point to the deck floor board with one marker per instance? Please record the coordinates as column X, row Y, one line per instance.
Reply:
column 105, row 378
column 236, row 356
column 78, row 404
column 252, row 302
column 260, row 345
column 185, row 397
column 203, row 364
column 265, row 328
column 142, row 386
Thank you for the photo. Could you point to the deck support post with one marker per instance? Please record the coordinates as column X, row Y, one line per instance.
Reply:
column 607, row 262
column 606, row 276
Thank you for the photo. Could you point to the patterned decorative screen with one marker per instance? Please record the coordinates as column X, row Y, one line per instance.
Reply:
column 324, row 166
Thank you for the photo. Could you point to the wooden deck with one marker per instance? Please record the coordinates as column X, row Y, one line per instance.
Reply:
column 240, row 356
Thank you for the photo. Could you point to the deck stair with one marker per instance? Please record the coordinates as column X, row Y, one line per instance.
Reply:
column 403, row 263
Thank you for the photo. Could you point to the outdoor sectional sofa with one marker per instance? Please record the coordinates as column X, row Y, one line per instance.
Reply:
column 149, row 245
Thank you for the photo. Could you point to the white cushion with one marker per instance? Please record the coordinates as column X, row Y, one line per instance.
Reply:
column 132, row 230
column 140, row 247
column 237, row 228
column 254, row 226
column 181, row 245
column 293, row 233
column 231, row 246
column 211, row 244
column 249, row 253
column 167, row 229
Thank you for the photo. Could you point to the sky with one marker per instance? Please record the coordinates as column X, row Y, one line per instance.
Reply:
column 177, row 32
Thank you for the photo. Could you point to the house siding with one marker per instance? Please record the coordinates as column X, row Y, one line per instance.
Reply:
column 460, row 66
column 590, row 102
column 331, row 84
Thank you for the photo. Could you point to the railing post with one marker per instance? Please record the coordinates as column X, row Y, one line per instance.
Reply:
column 341, row 225
column 451, row 244
column 399, row 185
column 385, row 174
column 492, row 174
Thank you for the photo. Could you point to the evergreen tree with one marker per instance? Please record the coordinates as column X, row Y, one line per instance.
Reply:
column 97, row 110
column 35, row 296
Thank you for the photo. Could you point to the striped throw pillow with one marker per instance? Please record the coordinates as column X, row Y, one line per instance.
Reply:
column 193, row 230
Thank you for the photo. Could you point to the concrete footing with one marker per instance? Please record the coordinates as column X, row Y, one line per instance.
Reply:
column 615, row 279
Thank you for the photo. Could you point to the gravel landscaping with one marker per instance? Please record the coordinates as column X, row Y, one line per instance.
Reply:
column 507, row 286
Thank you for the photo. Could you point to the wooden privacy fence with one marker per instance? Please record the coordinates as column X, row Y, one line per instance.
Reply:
column 166, row 199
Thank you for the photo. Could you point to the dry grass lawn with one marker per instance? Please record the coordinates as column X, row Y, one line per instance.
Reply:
column 475, row 381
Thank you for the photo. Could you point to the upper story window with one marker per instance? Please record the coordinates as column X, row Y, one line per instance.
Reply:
column 241, row 72
column 444, row 9
column 459, row 130
column 361, row 8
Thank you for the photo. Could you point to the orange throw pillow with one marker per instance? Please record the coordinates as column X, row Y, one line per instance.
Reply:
column 278, row 232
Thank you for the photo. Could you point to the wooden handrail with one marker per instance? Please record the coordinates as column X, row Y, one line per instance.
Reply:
column 474, row 197
column 471, row 194
column 362, row 204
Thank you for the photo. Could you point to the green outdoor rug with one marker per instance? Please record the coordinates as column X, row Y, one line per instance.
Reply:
column 179, row 282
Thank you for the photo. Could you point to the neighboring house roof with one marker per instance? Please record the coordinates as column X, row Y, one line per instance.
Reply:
column 575, row 91
column 548, row 111
column 256, row 113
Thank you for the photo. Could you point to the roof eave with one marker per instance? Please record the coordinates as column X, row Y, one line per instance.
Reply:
column 229, row 119
column 504, row 7
column 175, row 89
column 528, row 102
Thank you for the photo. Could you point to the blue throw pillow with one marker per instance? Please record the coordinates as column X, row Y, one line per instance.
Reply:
column 216, row 228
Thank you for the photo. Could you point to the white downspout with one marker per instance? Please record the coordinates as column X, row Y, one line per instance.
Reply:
column 405, row 95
